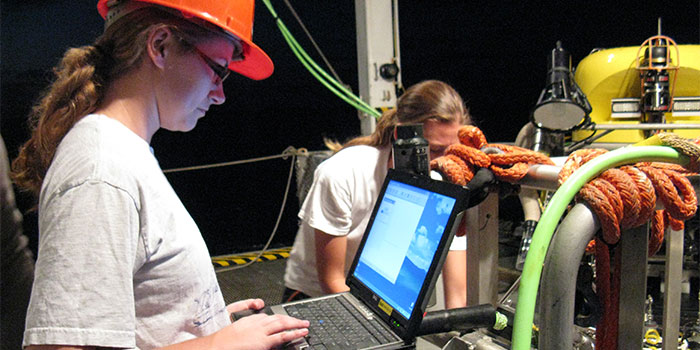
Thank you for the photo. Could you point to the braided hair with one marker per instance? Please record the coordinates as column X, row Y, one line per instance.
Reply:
column 81, row 80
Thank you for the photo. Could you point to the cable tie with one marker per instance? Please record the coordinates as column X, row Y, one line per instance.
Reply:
column 501, row 321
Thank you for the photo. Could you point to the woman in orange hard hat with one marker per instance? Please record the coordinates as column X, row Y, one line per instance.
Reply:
column 121, row 264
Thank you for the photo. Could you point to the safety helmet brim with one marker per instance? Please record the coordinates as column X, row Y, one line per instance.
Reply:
column 234, row 17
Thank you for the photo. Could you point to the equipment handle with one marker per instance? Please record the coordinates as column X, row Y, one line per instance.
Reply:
column 459, row 319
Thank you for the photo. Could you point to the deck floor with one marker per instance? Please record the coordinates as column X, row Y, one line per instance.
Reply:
column 263, row 279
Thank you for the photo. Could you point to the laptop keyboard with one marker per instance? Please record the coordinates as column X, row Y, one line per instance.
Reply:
column 336, row 324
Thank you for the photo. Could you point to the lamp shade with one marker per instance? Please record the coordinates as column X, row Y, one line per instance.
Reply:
column 557, row 111
column 561, row 105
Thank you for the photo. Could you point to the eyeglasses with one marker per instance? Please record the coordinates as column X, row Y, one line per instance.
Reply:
column 222, row 72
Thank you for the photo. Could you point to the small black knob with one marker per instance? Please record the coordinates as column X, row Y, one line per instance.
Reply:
column 389, row 71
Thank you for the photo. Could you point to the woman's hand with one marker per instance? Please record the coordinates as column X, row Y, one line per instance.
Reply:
column 259, row 332
column 247, row 304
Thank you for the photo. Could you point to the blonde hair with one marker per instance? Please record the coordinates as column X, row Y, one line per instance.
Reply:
column 81, row 79
column 429, row 99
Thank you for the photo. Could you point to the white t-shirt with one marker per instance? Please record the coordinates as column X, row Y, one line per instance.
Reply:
column 339, row 203
column 121, row 263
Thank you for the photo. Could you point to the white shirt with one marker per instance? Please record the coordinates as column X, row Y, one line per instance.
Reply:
column 121, row 263
column 339, row 203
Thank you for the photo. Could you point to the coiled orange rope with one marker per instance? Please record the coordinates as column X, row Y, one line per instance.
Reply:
column 621, row 198
column 625, row 198
column 460, row 162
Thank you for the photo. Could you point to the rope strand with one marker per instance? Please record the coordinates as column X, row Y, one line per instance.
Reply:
column 288, row 152
column 621, row 199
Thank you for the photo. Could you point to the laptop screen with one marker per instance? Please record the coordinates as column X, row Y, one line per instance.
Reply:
column 401, row 243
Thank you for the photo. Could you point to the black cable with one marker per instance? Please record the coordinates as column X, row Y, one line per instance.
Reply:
column 587, row 141
column 313, row 42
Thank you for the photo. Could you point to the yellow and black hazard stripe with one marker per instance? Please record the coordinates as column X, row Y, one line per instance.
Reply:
column 383, row 109
column 244, row 258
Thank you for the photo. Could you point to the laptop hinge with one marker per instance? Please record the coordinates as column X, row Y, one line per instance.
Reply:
column 366, row 312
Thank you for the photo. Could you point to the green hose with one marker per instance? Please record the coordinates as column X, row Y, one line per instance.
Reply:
column 320, row 74
column 532, row 270
column 343, row 94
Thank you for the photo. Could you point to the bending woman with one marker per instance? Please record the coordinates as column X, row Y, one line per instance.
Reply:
column 336, row 210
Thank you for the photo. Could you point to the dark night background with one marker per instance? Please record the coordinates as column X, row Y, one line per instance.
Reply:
column 493, row 53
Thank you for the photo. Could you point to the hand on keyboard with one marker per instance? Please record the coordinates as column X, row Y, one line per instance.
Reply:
column 258, row 331
column 247, row 304
column 240, row 314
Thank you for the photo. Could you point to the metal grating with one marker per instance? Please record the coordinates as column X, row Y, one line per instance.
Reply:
column 305, row 167
column 263, row 279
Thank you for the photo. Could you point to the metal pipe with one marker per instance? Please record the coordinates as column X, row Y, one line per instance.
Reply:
column 633, row 287
column 558, row 287
column 541, row 177
column 530, row 202
column 646, row 126
column 546, row 177
column 673, row 277
column 558, row 290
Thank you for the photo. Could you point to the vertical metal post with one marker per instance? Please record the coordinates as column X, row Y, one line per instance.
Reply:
column 482, row 252
column 377, row 44
column 672, row 288
column 633, row 287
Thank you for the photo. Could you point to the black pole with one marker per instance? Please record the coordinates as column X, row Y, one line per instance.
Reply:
column 460, row 319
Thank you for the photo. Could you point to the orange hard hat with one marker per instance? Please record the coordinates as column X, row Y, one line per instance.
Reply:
column 234, row 17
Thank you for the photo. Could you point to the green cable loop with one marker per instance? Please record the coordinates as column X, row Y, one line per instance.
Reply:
column 268, row 4
column 320, row 70
column 341, row 91
column 532, row 270
column 295, row 50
